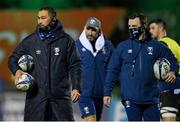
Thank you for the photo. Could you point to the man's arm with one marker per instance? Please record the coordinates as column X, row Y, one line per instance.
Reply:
column 74, row 67
column 112, row 76
column 13, row 60
column 166, row 53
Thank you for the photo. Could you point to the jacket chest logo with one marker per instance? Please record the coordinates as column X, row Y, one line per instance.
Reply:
column 38, row 52
column 150, row 50
column 130, row 51
column 56, row 51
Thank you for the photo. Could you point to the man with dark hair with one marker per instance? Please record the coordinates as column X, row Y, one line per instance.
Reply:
column 170, row 93
column 95, row 51
column 132, row 62
column 55, row 58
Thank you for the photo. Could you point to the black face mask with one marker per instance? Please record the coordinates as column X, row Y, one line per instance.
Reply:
column 134, row 33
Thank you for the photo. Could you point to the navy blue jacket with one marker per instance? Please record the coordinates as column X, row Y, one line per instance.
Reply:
column 54, row 59
column 138, row 85
column 94, row 69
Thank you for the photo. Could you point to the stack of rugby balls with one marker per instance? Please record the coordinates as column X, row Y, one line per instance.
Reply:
column 26, row 81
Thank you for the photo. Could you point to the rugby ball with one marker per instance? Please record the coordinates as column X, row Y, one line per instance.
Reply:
column 161, row 68
column 25, row 82
column 25, row 62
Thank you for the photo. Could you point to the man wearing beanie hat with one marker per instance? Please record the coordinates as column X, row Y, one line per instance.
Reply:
column 95, row 51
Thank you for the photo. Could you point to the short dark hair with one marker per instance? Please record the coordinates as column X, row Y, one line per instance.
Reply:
column 142, row 18
column 50, row 10
column 159, row 21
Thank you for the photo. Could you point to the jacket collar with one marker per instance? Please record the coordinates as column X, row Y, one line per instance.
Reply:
column 44, row 35
column 55, row 33
column 98, row 45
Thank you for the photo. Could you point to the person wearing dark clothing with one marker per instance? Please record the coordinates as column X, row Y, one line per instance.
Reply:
column 55, row 60
column 169, row 93
column 132, row 62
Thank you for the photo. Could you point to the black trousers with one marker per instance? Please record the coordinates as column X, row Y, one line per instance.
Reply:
column 49, row 115
column 49, row 110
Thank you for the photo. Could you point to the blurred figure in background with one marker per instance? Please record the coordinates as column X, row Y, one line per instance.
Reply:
column 170, row 93
column 132, row 61
column 55, row 57
column 95, row 51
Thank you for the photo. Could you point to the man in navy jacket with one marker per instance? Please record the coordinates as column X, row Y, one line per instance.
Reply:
column 95, row 52
column 55, row 57
column 132, row 62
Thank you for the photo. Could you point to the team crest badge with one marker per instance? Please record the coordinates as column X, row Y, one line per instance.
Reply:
column 127, row 104
column 86, row 109
column 150, row 50
column 56, row 51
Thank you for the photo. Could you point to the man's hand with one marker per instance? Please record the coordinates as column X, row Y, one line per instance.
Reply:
column 18, row 74
column 107, row 101
column 170, row 77
column 75, row 95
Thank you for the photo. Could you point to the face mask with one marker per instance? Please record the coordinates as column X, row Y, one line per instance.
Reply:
column 134, row 33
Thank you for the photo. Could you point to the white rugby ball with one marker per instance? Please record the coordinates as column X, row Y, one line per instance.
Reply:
column 26, row 63
column 25, row 82
column 161, row 68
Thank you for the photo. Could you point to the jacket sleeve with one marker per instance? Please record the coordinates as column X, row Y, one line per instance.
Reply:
column 14, row 57
column 113, row 70
column 110, row 49
column 165, row 52
column 74, row 65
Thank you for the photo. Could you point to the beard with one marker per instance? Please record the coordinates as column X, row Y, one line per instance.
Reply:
column 91, row 38
column 43, row 27
column 48, row 27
